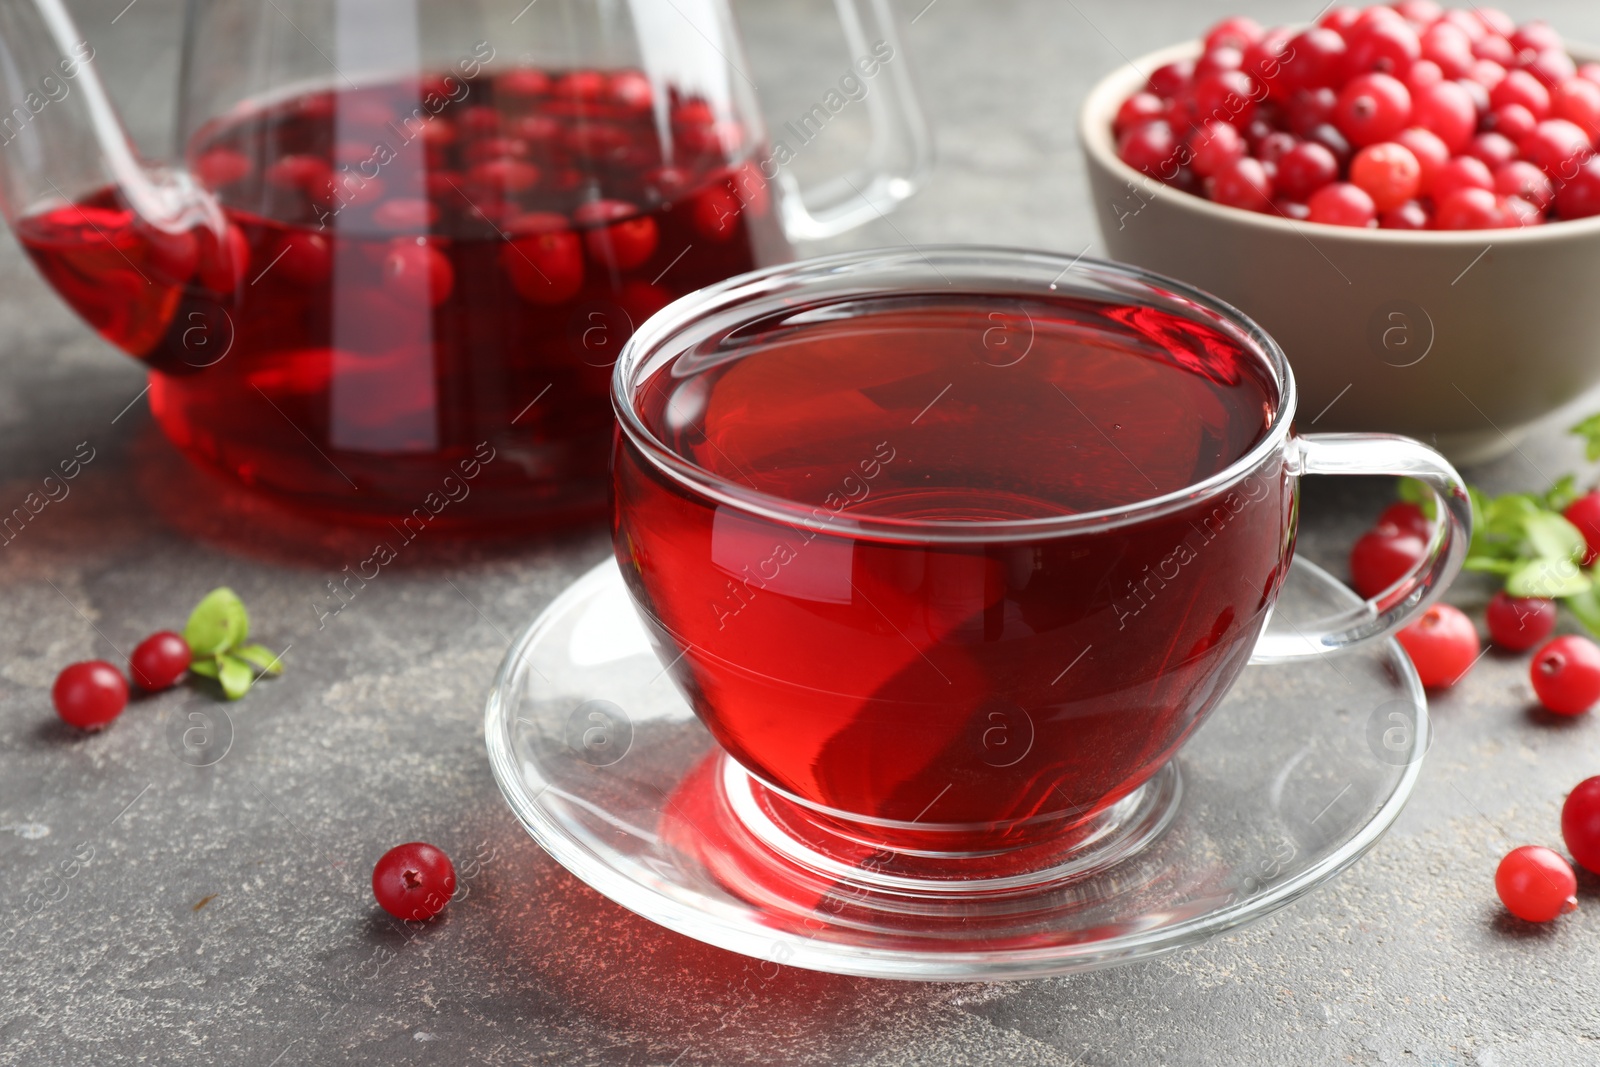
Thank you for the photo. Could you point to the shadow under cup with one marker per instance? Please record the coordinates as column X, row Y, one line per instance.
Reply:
column 951, row 550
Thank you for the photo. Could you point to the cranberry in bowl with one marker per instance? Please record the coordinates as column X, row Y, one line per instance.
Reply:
column 1400, row 196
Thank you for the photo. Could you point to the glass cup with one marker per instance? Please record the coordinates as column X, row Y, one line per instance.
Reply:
column 951, row 549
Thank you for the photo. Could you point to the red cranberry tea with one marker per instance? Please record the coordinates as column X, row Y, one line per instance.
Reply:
column 417, row 276
column 955, row 673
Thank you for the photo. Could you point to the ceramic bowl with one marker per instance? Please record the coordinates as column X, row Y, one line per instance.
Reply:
column 1464, row 339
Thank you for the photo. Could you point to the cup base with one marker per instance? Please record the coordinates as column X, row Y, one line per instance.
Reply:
column 1293, row 776
column 852, row 855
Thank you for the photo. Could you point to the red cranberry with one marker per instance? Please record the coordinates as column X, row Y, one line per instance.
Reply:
column 1406, row 517
column 1578, row 101
column 1485, row 74
column 1410, row 215
column 1372, row 108
column 1552, row 67
column 547, row 266
column 1519, row 623
column 1317, row 61
column 1149, row 148
column 1137, row 110
column 1513, row 122
column 621, row 237
column 1580, row 824
column 89, row 695
column 1237, row 31
column 1388, row 173
column 1535, row 884
column 1445, row 44
column 1566, row 675
column 1584, row 513
column 1340, row 19
column 1310, row 108
column 1386, row 46
column 1214, row 146
column 1173, row 79
column 1442, row 645
column 304, row 258
column 1304, row 169
column 415, row 271
column 1537, row 35
column 1520, row 87
column 1494, row 48
column 1447, row 110
column 1431, row 154
column 1229, row 95
column 1342, row 204
column 1245, row 184
column 1384, row 555
column 159, row 660
column 715, row 214
column 1579, row 198
column 1557, row 146
column 1521, row 178
column 1328, row 136
column 413, row 881
column 1492, row 150
column 1469, row 209
column 1423, row 74
column 1217, row 60
column 1462, row 172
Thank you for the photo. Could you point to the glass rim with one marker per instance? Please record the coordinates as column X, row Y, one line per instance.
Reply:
column 765, row 288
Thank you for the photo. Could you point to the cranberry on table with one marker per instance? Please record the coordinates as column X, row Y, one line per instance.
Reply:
column 1535, row 884
column 1384, row 555
column 159, row 661
column 1584, row 513
column 1443, row 645
column 1519, row 623
column 1566, row 675
column 89, row 695
column 413, row 881
column 1580, row 824
column 1407, row 517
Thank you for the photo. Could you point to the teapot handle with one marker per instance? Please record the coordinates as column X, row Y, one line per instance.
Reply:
column 901, row 152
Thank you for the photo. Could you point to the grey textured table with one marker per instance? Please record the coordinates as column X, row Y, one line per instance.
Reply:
column 225, row 915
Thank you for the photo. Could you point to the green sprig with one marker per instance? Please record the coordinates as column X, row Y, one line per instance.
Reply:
column 216, row 632
column 1525, row 538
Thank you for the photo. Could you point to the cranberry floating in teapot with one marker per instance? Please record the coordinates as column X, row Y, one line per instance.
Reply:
column 405, row 241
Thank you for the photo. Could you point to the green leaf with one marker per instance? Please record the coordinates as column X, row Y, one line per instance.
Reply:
column 217, row 624
column 235, row 675
column 1548, row 578
column 1589, row 430
column 1553, row 537
column 261, row 658
column 1559, row 497
column 1585, row 607
column 206, row 668
column 1491, row 565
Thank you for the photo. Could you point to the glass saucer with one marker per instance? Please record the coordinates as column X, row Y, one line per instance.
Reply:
column 1291, row 779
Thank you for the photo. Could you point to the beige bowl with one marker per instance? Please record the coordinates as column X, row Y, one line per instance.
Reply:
column 1464, row 339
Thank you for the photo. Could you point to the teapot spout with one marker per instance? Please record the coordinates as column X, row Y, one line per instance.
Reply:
column 119, row 239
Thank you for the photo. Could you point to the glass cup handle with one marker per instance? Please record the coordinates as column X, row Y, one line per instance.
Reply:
column 1392, row 609
column 902, row 148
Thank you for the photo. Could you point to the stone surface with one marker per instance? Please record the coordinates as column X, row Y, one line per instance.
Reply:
column 225, row 916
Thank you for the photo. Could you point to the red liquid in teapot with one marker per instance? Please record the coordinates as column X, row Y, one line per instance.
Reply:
column 980, row 681
column 418, row 276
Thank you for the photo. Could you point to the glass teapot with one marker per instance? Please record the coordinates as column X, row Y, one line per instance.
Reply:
column 407, row 238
